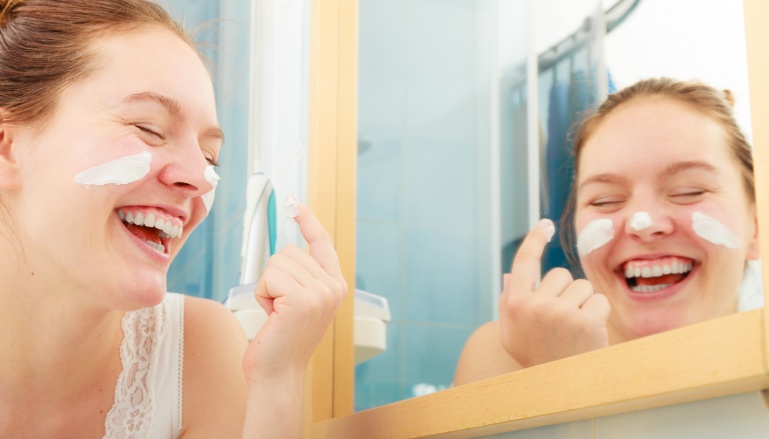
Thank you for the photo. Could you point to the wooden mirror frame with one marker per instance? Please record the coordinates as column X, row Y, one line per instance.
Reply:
column 715, row 358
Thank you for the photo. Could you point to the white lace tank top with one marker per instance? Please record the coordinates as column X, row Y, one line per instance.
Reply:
column 148, row 394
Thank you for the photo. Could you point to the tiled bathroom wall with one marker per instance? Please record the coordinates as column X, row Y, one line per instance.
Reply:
column 423, row 187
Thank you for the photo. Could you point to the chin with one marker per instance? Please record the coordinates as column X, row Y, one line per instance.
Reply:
column 143, row 294
column 653, row 323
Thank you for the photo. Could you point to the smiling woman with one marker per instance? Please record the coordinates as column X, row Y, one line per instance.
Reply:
column 108, row 138
column 663, row 203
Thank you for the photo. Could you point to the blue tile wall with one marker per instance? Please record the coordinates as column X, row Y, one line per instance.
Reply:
column 380, row 107
column 440, row 68
column 382, row 275
column 379, row 186
column 440, row 276
column 422, row 189
column 431, row 355
column 440, row 183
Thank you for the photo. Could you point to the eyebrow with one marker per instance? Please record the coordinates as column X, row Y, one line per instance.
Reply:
column 673, row 168
column 172, row 106
column 677, row 167
column 602, row 178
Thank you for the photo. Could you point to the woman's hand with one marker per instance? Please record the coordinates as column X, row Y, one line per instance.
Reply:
column 300, row 291
column 559, row 318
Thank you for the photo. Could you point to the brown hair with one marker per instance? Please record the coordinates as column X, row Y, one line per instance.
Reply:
column 715, row 103
column 45, row 45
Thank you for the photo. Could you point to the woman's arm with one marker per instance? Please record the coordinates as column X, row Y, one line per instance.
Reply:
column 300, row 291
column 260, row 394
column 214, row 388
column 483, row 356
column 538, row 321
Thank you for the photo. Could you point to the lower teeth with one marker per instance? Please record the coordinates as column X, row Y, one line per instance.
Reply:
column 159, row 247
column 649, row 288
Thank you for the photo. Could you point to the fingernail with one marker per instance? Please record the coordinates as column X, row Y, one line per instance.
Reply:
column 548, row 226
column 291, row 209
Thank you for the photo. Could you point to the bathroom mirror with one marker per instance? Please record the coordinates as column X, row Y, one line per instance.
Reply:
column 714, row 358
column 455, row 164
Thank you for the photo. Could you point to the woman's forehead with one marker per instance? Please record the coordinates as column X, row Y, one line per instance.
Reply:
column 153, row 60
column 653, row 132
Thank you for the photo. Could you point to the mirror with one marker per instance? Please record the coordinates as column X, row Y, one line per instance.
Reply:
column 445, row 188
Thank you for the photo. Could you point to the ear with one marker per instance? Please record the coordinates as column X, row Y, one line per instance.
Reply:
column 753, row 252
column 10, row 177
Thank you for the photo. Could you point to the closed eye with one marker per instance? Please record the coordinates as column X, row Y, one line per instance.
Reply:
column 687, row 196
column 149, row 130
column 211, row 159
column 605, row 202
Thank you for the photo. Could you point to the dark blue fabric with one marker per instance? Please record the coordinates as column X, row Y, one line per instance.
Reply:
column 569, row 104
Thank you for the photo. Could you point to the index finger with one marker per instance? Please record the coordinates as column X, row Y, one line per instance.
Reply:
column 318, row 240
column 526, row 265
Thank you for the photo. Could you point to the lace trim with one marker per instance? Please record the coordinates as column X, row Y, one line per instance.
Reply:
column 131, row 415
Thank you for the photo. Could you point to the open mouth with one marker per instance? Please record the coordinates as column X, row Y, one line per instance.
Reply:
column 151, row 227
column 650, row 276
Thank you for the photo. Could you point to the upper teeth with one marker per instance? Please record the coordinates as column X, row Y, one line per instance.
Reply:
column 166, row 227
column 656, row 270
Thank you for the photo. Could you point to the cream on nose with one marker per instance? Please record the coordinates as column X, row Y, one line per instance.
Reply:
column 213, row 179
column 640, row 220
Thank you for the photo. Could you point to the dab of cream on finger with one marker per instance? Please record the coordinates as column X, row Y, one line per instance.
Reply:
column 548, row 227
column 213, row 179
column 291, row 209
column 640, row 221
column 595, row 235
column 121, row 171
column 713, row 231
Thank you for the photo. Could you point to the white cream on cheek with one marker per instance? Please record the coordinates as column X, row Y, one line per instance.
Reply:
column 595, row 235
column 121, row 171
column 212, row 178
column 713, row 231
column 640, row 221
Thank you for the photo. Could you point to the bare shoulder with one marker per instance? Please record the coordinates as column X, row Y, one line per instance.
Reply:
column 214, row 385
column 483, row 356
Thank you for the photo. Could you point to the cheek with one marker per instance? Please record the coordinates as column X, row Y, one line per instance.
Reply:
column 712, row 230
column 120, row 171
column 593, row 232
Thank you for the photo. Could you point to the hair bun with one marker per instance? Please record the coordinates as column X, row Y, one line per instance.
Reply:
column 729, row 96
column 6, row 9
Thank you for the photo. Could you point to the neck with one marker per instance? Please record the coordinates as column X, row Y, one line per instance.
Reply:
column 54, row 345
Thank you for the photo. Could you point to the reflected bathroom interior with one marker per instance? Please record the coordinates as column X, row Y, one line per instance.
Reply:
column 446, row 127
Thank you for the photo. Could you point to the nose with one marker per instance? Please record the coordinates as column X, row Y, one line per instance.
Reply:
column 184, row 170
column 648, row 224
